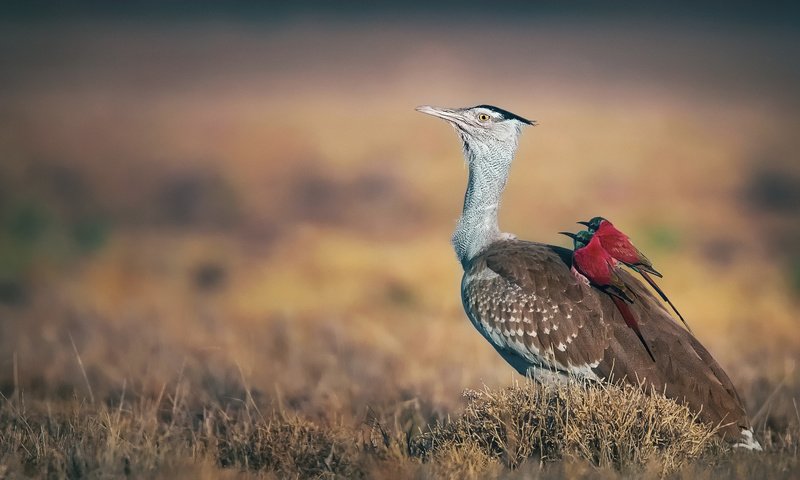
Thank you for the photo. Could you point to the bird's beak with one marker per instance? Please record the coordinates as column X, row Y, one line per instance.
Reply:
column 569, row 234
column 444, row 113
column 585, row 223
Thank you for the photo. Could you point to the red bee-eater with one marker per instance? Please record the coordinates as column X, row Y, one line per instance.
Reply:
column 591, row 260
column 619, row 246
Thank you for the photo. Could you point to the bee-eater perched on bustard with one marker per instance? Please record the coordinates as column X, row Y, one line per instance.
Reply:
column 522, row 297
column 619, row 246
column 597, row 267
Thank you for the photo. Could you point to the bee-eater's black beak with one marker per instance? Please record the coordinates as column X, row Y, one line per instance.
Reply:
column 569, row 234
column 585, row 223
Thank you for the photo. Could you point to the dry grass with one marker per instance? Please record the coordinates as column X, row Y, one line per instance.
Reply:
column 521, row 427
column 574, row 431
column 607, row 426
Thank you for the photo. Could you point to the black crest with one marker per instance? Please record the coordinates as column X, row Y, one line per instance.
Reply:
column 505, row 114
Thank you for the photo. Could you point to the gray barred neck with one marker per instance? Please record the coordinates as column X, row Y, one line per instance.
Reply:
column 477, row 228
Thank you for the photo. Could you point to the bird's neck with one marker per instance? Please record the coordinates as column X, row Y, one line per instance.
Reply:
column 477, row 228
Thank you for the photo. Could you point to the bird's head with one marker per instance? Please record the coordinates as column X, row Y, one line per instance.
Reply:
column 594, row 223
column 580, row 239
column 487, row 132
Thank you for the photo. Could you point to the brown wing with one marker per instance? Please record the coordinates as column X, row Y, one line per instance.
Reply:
column 523, row 298
column 684, row 370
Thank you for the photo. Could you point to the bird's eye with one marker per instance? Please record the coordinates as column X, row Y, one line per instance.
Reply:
column 483, row 117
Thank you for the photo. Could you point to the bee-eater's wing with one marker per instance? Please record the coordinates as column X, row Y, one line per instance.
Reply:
column 618, row 288
column 646, row 265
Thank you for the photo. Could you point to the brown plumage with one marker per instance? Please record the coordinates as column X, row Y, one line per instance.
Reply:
column 522, row 297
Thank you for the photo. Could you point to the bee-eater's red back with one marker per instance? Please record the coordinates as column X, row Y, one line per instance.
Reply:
column 619, row 245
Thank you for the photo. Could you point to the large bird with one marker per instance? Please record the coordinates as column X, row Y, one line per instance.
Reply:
column 522, row 297
column 619, row 246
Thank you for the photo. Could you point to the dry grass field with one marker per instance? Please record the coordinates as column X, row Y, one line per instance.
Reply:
column 224, row 247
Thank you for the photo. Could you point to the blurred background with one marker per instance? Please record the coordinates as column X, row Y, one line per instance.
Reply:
column 227, row 196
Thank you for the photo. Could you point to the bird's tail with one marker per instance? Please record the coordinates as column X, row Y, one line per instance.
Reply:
column 647, row 268
column 630, row 320
column 663, row 296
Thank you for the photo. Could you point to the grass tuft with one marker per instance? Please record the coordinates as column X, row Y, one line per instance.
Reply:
column 608, row 426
